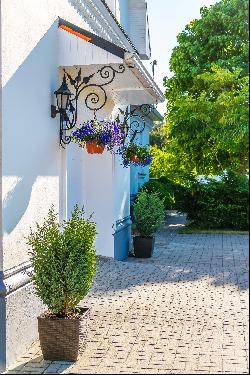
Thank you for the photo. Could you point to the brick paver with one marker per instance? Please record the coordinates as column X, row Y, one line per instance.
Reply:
column 183, row 311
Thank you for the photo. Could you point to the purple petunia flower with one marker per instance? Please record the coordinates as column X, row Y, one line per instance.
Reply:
column 107, row 133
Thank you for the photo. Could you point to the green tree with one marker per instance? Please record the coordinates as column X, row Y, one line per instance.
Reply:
column 207, row 108
column 175, row 166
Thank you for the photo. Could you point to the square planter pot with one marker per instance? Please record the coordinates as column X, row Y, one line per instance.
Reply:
column 143, row 246
column 60, row 338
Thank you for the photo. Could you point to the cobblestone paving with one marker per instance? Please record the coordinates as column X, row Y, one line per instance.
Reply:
column 183, row 311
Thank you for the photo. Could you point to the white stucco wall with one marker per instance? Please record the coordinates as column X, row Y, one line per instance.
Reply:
column 121, row 189
column 1, row 247
column 37, row 172
column 102, row 185
column 34, row 166
column 31, row 154
column 25, row 23
column 90, row 185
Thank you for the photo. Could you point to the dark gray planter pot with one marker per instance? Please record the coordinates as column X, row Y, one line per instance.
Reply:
column 143, row 246
column 60, row 338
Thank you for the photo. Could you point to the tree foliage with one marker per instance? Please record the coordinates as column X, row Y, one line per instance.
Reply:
column 173, row 165
column 207, row 109
column 215, row 204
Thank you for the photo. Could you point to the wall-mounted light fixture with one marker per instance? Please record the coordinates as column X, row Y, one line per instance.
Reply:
column 63, row 95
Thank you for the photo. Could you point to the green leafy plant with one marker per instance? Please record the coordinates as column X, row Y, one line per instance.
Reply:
column 134, row 154
column 148, row 212
column 164, row 189
column 216, row 204
column 64, row 261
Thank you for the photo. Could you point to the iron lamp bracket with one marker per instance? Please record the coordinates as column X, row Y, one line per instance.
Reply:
column 94, row 94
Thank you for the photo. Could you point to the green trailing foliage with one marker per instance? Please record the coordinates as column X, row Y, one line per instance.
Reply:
column 64, row 260
column 216, row 204
column 148, row 213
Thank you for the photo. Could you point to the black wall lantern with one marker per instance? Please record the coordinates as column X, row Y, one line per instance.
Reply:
column 63, row 95
column 95, row 98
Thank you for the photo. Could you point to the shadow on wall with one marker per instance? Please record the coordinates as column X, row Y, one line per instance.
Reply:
column 30, row 136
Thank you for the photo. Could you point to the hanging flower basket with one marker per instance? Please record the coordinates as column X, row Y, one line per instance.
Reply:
column 135, row 159
column 93, row 147
column 96, row 135
column 136, row 155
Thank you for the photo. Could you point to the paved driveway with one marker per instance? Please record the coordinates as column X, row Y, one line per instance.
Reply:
column 182, row 311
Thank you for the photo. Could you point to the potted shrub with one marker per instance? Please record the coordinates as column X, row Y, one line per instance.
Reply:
column 136, row 155
column 64, row 260
column 96, row 135
column 148, row 214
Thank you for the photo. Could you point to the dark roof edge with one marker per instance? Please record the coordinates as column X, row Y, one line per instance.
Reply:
column 96, row 40
column 120, row 27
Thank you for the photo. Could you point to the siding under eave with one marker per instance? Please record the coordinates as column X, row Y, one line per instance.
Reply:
column 138, row 27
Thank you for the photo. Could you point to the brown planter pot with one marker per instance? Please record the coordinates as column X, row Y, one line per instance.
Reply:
column 94, row 147
column 135, row 159
column 60, row 338
column 143, row 246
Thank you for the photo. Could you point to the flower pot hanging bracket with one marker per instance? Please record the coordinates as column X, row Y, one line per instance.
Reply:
column 95, row 97
column 133, row 122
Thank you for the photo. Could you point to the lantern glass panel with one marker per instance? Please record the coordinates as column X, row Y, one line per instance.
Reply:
column 65, row 101
column 59, row 101
column 62, row 101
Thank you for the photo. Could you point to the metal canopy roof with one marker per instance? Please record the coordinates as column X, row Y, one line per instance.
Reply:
column 81, row 48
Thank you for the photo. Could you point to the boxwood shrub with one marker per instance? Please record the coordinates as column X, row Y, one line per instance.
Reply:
column 165, row 190
column 149, row 213
column 64, row 261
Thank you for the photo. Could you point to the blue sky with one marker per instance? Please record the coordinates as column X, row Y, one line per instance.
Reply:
column 167, row 18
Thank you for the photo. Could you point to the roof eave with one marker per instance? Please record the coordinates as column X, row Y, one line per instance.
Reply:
column 134, row 63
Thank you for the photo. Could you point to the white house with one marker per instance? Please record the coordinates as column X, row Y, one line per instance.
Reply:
column 140, row 175
column 40, row 39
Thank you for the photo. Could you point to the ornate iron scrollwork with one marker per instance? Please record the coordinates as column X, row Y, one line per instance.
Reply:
column 94, row 100
column 131, row 123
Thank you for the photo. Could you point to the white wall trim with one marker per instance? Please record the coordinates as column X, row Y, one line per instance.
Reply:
column 15, row 278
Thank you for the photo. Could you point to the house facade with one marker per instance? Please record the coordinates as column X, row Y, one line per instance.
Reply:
column 40, row 41
column 139, row 175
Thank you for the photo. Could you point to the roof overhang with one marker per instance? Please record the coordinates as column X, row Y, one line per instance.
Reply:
column 81, row 48
column 156, row 116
